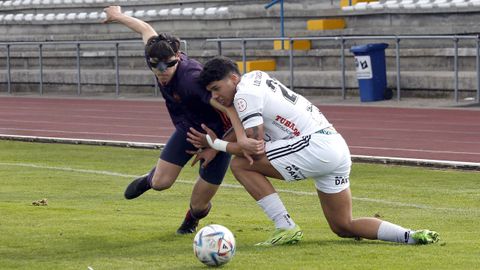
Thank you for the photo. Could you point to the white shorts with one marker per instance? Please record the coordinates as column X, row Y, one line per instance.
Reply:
column 323, row 157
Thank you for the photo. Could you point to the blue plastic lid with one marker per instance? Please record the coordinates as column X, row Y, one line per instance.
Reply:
column 369, row 47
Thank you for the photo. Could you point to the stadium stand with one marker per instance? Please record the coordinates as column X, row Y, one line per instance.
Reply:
column 427, row 65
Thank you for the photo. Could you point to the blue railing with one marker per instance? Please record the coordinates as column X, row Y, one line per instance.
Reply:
column 282, row 19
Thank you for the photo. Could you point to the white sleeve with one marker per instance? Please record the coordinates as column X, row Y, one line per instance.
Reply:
column 249, row 108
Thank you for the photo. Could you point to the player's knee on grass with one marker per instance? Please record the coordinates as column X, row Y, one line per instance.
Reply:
column 342, row 230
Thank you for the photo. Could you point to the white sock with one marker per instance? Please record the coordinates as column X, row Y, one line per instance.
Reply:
column 276, row 211
column 394, row 233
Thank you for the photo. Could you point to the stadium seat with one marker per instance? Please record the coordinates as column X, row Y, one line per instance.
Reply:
column 375, row 5
column 8, row 17
column 99, row 1
column 475, row 3
column 442, row 3
column 425, row 4
column 88, row 1
column 26, row 2
column 81, row 16
column 460, row 3
column 210, row 11
column 93, row 16
column 28, row 17
column 128, row 13
column 187, row 11
column 199, row 11
column 71, row 16
column 347, row 8
column 163, row 12
column 39, row 17
column 139, row 13
column 60, row 16
column 151, row 13
column 68, row 2
column 175, row 11
column 18, row 17
column 57, row 2
column 7, row 4
column 78, row 1
column 1, row 17
column 222, row 10
column 50, row 17
column 36, row 2
column 46, row 2
column 392, row 4
column 360, row 6
column 103, row 15
column 17, row 3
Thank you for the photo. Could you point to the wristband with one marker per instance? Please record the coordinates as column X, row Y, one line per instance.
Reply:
column 217, row 144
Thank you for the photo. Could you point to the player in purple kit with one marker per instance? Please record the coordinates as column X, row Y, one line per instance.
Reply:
column 188, row 104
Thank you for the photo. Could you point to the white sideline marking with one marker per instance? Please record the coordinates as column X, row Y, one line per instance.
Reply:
column 67, row 169
column 361, row 158
column 414, row 150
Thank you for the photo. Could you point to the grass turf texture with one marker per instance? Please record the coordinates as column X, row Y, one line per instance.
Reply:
column 88, row 223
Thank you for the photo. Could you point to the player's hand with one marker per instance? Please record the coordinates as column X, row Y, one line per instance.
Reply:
column 205, row 155
column 252, row 146
column 210, row 132
column 197, row 138
column 112, row 13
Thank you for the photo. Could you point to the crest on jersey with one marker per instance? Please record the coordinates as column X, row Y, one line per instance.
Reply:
column 241, row 104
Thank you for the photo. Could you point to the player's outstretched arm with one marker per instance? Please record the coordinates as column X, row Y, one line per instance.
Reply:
column 114, row 14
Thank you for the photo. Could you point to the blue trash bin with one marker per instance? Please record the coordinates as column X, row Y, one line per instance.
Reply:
column 371, row 71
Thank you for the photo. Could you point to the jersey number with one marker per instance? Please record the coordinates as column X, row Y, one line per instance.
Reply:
column 273, row 84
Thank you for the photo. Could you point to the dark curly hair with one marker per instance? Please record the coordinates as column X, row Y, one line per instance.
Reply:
column 217, row 69
column 162, row 47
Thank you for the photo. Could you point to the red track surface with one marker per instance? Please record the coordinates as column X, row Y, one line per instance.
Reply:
column 439, row 134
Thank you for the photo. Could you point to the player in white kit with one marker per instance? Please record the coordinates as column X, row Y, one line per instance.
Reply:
column 299, row 143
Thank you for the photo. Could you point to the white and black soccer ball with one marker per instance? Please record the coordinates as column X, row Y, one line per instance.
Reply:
column 214, row 245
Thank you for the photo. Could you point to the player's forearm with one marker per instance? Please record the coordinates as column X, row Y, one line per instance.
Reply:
column 137, row 25
column 233, row 116
column 230, row 136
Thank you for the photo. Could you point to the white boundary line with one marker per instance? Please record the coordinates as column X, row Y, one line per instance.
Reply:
column 233, row 186
column 446, row 164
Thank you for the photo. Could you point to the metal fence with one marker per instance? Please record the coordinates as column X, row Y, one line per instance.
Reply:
column 77, row 45
column 342, row 39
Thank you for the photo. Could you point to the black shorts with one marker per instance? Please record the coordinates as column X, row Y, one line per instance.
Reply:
column 175, row 152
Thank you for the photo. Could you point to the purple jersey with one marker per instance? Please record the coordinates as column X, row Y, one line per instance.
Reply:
column 188, row 103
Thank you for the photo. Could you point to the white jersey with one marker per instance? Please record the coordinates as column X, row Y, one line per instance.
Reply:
column 284, row 114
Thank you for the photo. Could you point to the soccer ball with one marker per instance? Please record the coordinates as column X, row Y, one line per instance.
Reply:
column 214, row 245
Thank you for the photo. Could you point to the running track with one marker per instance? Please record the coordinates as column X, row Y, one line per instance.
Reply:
column 437, row 134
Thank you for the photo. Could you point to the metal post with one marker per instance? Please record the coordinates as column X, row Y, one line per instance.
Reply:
column 244, row 55
column 477, row 98
column 342, row 64
column 185, row 45
column 455, row 69
column 117, row 72
column 9, row 75
column 397, row 61
column 219, row 48
column 79, row 76
column 282, row 24
column 40, row 62
column 157, row 90
column 290, row 54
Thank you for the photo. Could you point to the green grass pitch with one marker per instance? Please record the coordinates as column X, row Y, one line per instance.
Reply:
column 87, row 223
